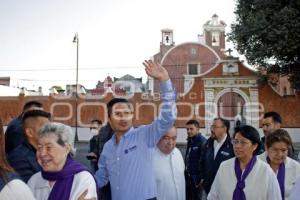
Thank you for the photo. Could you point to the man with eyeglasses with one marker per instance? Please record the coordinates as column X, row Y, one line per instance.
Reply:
column 169, row 168
column 217, row 149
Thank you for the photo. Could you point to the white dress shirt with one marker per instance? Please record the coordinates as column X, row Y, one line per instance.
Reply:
column 83, row 180
column 16, row 190
column 217, row 145
column 292, row 173
column 169, row 175
column 260, row 184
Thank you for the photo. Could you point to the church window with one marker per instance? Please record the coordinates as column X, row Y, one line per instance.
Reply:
column 193, row 69
column 193, row 51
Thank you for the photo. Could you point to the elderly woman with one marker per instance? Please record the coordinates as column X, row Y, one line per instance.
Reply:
column 11, row 186
column 287, row 170
column 245, row 176
column 61, row 177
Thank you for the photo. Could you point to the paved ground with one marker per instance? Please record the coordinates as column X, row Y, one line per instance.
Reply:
column 81, row 151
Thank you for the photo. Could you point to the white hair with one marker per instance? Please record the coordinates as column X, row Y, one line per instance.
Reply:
column 63, row 132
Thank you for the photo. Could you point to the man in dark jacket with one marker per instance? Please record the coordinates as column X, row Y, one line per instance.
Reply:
column 94, row 148
column 217, row 149
column 195, row 144
column 105, row 134
column 23, row 158
column 14, row 134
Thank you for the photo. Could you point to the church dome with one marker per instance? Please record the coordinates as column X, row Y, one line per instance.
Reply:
column 188, row 59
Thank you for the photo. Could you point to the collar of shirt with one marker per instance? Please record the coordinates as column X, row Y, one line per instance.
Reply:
column 163, row 154
column 129, row 132
column 221, row 142
column 42, row 183
column 191, row 139
column 217, row 145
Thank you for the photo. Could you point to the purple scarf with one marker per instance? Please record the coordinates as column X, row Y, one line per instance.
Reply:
column 64, row 179
column 238, row 193
column 280, row 176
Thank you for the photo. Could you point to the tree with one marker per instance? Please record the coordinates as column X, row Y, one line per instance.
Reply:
column 267, row 32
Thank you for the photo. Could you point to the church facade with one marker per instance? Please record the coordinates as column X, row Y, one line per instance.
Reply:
column 210, row 82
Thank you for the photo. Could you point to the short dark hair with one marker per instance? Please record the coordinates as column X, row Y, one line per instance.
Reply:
column 274, row 115
column 96, row 121
column 225, row 123
column 114, row 101
column 251, row 134
column 193, row 122
column 35, row 113
column 279, row 135
column 30, row 104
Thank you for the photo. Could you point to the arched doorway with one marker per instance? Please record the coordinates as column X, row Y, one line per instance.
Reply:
column 231, row 106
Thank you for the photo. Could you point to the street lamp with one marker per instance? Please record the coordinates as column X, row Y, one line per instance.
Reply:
column 76, row 40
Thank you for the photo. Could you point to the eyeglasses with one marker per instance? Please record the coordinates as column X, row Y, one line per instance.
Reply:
column 241, row 142
column 214, row 127
column 48, row 148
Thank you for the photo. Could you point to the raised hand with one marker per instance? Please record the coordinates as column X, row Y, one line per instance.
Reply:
column 155, row 70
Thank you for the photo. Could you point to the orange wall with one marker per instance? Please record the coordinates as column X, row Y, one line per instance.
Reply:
column 146, row 109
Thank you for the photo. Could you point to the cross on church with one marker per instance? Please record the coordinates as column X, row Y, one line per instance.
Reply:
column 229, row 51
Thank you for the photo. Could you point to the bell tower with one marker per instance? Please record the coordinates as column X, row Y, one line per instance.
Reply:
column 167, row 37
column 214, row 34
column 167, row 40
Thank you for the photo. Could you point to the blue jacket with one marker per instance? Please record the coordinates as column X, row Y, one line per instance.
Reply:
column 23, row 160
column 208, row 165
column 14, row 134
column 192, row 157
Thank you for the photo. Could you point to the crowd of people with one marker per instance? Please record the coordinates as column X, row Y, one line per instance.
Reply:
column 37, row 157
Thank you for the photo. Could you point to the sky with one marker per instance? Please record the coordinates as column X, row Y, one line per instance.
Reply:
column 115, row 36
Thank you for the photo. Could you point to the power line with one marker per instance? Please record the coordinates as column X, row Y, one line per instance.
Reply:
column 86, row 80
column 82, row 68
column 65, row 80
column 65, row 69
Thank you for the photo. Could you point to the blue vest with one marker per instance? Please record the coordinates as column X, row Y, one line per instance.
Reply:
column 10, row 176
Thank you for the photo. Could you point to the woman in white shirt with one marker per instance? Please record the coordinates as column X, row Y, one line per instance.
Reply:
column 61, row 177
column 11, row 187
column 245, row 177
column 286, row 169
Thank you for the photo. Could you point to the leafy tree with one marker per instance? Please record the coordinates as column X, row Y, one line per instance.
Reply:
column 267, row 32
